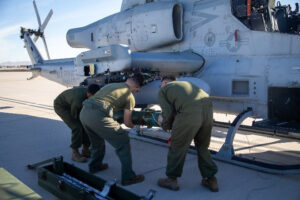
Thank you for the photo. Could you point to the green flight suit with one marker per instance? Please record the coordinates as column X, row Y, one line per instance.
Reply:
column 187, row 110
column 96, row 117
column 68, row 106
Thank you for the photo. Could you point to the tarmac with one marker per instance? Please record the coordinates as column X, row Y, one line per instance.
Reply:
column 30, row 132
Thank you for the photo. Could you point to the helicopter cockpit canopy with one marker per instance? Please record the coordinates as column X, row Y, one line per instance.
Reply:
column 266, row 15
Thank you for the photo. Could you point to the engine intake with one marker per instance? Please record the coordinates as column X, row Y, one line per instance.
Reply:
column 144, row 27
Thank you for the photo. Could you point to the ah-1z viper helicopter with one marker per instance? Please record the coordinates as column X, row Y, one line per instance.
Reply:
column 245, row 53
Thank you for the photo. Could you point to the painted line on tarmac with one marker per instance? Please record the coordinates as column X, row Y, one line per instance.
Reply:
column 26, row 103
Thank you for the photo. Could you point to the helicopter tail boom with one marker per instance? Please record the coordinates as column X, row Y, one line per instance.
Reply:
column 33, row 52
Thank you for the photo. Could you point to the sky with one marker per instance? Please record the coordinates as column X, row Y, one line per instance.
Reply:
column 67, row 14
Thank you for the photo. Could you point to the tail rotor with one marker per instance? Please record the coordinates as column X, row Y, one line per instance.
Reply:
column 40, row 31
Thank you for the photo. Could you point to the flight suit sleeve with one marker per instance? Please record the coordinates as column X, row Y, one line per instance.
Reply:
column 56, row 101
column 130, row 103
column 75, row 109
column 167, row 110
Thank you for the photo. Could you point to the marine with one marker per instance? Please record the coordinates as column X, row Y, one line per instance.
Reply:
column 97, row 119
column 187, row 111
column 67, row 106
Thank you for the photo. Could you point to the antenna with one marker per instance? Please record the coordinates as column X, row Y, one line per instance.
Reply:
column 40, row 31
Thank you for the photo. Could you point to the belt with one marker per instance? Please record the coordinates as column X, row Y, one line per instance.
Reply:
column 191, row 106
column 104, row 108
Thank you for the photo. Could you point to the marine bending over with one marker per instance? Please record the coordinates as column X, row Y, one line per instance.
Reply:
column 187, row 111
column 97, row 119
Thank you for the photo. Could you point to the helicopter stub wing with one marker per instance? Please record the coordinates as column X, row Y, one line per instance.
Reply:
column 117, row 58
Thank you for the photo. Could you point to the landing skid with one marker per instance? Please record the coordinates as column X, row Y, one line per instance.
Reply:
column 291, row 128
column 226, row 153
column 280, row 129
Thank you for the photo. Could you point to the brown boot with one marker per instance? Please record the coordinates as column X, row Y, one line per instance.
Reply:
column 94, row 170
column 77, row 157
column 85, row 151
column 134, row 180
column 211, row 183
column 169, row 183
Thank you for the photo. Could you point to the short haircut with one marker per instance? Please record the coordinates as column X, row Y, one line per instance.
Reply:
column 169, row 77
column 138, row 78
column 93, row 88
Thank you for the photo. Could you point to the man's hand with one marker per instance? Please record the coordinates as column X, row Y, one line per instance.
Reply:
column 159, row 120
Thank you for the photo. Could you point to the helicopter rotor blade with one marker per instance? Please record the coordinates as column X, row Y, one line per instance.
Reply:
column 45, row 44
column 40, row 32
column 42, row 28
column 37, row 14
column 38, row 19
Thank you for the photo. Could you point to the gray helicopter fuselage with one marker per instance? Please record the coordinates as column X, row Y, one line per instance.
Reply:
column 241, row 65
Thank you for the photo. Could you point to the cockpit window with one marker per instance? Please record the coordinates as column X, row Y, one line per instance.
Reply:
column 267, row 15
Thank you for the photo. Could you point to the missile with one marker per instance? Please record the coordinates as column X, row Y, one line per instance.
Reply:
column 147, row 117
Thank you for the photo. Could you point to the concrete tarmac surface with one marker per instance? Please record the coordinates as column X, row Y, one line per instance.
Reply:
column 30, row 132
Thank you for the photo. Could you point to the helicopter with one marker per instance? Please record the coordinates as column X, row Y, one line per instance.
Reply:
column 244, row 53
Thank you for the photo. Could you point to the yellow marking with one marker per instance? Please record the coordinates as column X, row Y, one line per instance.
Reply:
column 92, row 69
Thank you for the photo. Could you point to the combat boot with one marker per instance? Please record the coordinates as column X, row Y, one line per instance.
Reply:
column 169, row 183
column 211, row 183
column 77, row 157
column 102, row 167
column 136, row 179
column 85, row 151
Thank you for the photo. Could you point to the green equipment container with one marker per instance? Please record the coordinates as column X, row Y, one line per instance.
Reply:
column 69, row 182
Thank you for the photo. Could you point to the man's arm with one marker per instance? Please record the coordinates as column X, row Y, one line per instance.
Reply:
column 167, row 111
column 75, row 110
column 127, row 118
